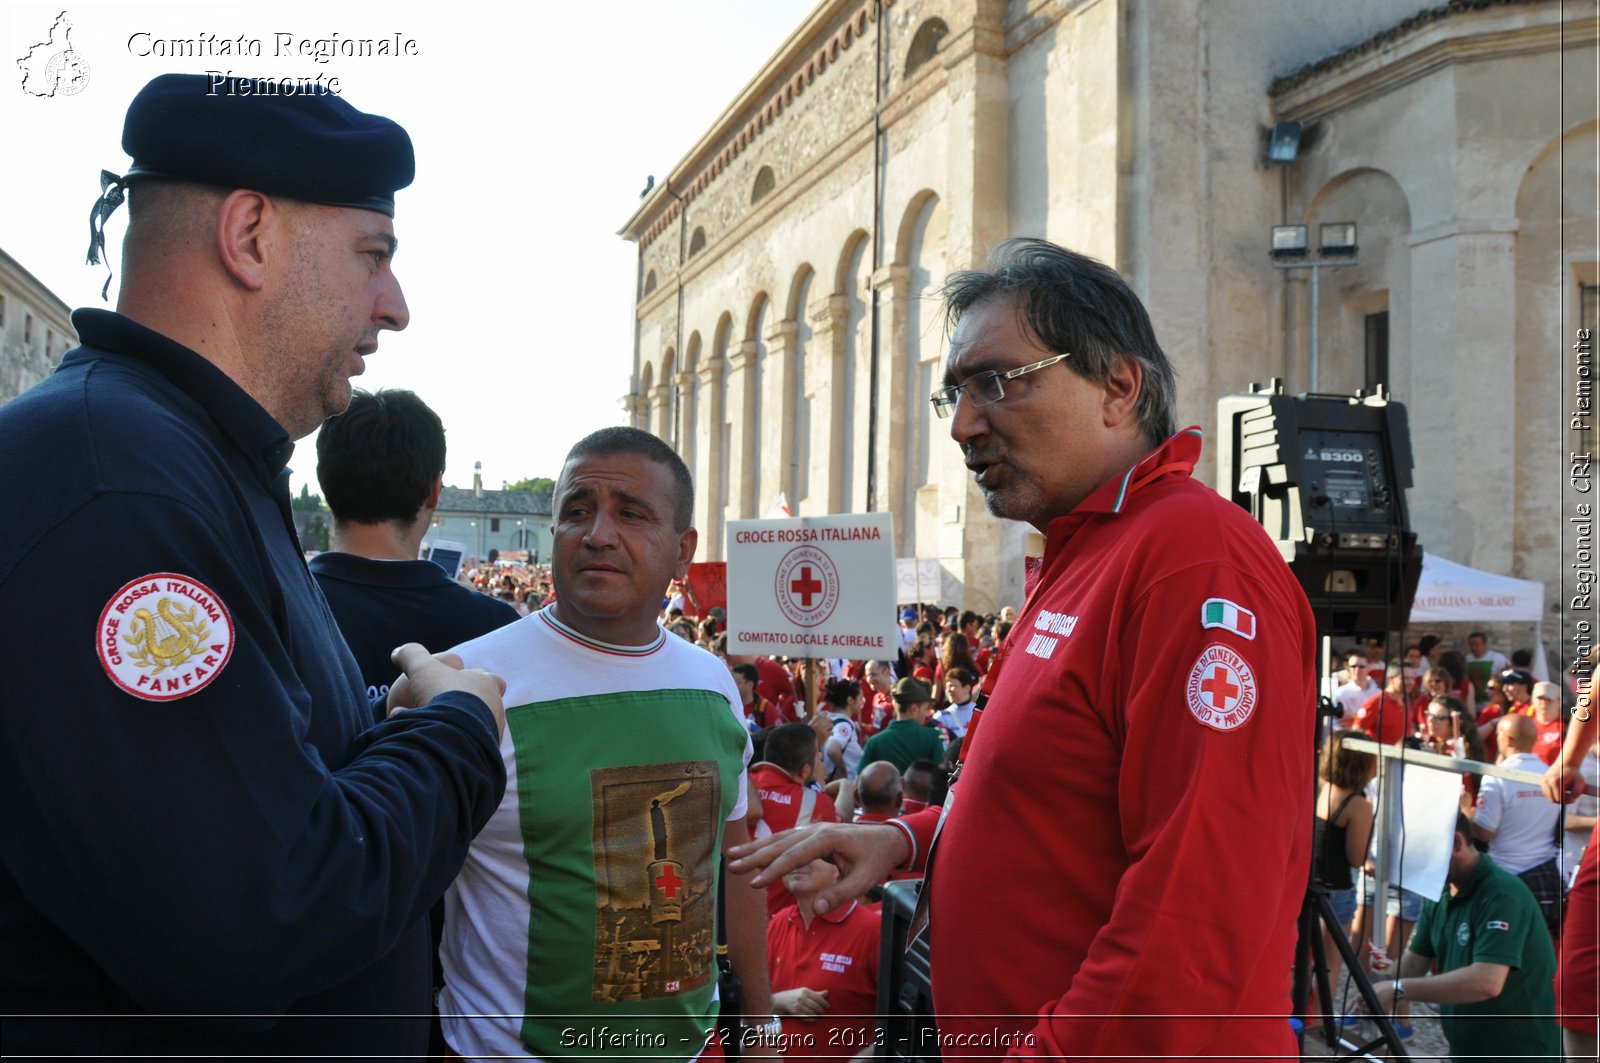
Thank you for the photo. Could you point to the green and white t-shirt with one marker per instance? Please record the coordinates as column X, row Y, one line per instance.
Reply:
column 583, row 923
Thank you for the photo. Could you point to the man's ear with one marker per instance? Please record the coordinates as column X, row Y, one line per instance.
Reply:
column 688, row 541
column 1123, row 383
column 248, row 234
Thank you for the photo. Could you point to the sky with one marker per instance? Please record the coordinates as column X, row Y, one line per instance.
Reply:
column 535, row 129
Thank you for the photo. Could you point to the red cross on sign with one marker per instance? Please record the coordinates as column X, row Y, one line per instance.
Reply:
column 1218, row 686
column 805, row 586
column 669, row 882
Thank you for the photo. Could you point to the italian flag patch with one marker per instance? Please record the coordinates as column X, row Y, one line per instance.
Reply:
column 1230, row 616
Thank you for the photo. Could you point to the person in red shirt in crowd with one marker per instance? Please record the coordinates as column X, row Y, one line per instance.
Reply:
column 1518, row 687
column 759, row 713
column 824, row 969
column 879, row 690
column 1552, row 726
column 918, row 782
column 1383, row 715
column 1450, row 731
column 1435, row 684
column 878, row 793
column 791, row 760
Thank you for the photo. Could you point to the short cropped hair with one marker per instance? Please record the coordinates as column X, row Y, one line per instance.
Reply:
column 791, row 746
column 747, row 672
column 624, row 440
column 378, row 460
column 1077, row 304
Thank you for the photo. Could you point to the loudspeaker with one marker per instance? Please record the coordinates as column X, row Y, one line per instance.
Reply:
column 1326, row 475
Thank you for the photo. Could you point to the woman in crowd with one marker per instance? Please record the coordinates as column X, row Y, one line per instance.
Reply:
column 842, row 701
column 1341, row 832
column 1452, row 731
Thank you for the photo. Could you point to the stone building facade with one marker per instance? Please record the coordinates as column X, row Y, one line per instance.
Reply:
column 788, row 329
column 35, row 329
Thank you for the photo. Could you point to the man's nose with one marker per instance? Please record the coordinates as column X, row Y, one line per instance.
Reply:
column 390, row 310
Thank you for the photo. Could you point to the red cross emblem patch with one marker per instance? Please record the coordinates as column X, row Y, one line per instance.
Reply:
column 1221, row 688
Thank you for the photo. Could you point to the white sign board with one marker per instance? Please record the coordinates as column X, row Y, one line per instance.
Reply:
column 813, row 586
column 916, row 579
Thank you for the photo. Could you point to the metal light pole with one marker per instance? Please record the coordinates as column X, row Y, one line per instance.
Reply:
column 1336, row 249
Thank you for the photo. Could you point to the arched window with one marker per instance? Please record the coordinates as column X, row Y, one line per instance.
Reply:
column 765, row 182
column 698, row 240
column 925, row 43
column 650, row 282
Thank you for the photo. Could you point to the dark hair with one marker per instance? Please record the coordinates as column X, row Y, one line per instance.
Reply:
column 1522, row 658
column 1346, row 768
column 838, row 692
column 378, row 459
column 956, row 653
column 624, row 440
column 1075, row 304
column 747, row 672
column 1479, row 635
column 1469, row 725
column 791, row 746
column 965, row 676
column 968, row 617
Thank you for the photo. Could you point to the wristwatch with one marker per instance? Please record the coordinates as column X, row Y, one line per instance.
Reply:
column 1399, row 990
column 768, row 1031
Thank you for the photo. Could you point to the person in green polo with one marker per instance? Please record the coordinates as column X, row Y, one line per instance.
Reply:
column 1495, row 962
column 908, row 737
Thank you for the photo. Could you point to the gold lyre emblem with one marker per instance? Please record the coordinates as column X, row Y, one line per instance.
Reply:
column 166, row 639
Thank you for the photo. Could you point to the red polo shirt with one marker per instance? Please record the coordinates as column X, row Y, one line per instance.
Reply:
column 837, row 954
column 781, row 801
column 1123, row 861
column 1382, row 717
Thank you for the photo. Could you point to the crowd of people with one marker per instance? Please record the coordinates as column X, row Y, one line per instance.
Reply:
column 1482, row 707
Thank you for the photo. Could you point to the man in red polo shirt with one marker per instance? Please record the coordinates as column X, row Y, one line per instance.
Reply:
column 790, row 760
column 824, row 970
column 1547, row 715
column 1383, row 715
column 1142, row 903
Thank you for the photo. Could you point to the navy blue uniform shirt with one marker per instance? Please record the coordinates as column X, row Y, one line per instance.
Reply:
column 381, row 604
column 200, row 819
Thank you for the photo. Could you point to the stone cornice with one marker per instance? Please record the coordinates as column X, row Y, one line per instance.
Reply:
column 1459, row 31
column 805, row 56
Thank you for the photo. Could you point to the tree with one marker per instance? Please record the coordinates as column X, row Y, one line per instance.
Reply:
column 539, row 485
column 307, row 502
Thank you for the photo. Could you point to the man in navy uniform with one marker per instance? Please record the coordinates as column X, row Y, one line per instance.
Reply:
column 208, row 847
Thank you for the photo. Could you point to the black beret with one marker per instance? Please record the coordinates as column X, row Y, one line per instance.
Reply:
column 282, row 137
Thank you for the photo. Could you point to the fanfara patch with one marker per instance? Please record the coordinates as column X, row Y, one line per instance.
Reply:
column 164, row 636
column 1463, row 934
column 1221, row 688
column 1497, row 924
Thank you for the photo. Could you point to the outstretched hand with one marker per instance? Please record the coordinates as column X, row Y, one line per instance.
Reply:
column 864, row 853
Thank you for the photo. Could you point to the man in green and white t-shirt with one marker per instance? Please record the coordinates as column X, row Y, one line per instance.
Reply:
column 583, row 923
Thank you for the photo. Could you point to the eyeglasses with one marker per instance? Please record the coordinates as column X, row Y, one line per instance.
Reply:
column 1442, row 716
column 984, row 389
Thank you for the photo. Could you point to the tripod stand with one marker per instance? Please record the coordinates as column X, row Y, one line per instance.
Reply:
column 1310, row 959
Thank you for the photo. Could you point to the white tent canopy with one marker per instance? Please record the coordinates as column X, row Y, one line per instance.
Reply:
column 1452, row 593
